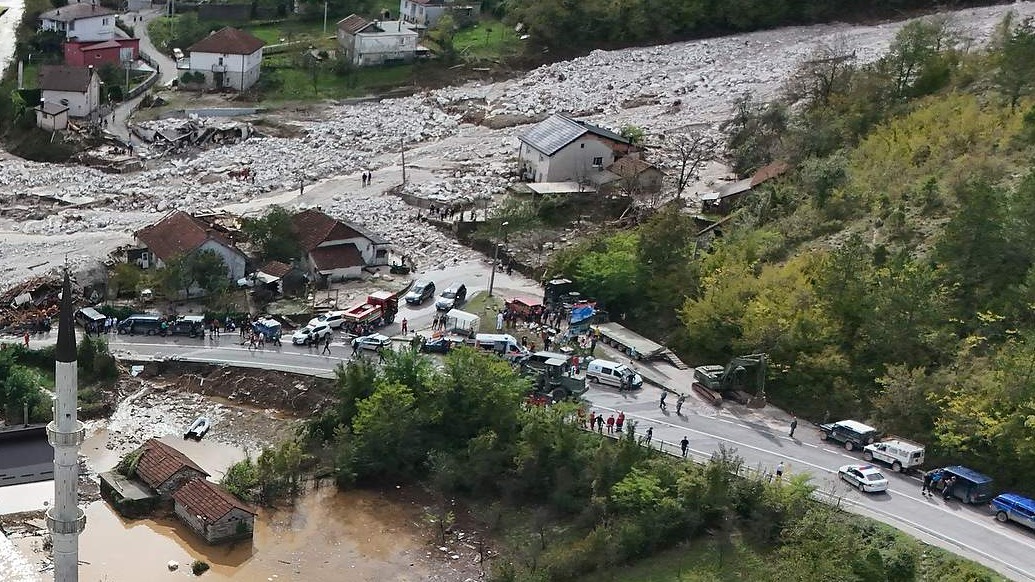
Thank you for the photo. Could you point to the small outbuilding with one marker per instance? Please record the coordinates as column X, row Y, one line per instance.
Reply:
column 165, row 469
column 212, row 512
column 51, row 116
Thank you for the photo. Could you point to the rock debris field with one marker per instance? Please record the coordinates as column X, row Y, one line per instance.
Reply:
column 660, row 89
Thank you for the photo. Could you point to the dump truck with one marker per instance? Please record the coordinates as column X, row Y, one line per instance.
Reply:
column 380, row 308
column 733, row 380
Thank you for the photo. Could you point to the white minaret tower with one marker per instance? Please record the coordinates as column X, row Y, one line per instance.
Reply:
column 65, row 519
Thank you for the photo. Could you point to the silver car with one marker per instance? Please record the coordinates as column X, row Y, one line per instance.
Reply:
column 371, row 342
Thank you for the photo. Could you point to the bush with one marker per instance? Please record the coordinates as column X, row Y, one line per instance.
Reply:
column 199, row 567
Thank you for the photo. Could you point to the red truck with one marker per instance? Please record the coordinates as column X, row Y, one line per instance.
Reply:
column 379, row 309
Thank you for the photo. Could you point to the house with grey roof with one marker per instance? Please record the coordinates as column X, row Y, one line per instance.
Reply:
column 82, row 21
column 561, row 149
column 77, row 88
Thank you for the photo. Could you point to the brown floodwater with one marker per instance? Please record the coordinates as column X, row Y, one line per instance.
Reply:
column 327, row 535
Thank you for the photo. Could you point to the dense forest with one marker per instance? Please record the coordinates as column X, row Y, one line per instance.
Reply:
column 572, row 25
column 890, row 275
column 564, row 503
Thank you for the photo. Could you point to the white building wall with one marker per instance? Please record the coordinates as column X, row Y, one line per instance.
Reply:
column 93, row 28
column 240, row 71
column 376, row 48
column 574, row 161
column 79, row 104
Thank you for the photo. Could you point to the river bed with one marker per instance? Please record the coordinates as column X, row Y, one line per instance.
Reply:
column 8, row 23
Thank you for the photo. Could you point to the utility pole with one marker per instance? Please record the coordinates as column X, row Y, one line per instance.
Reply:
column 496, row 256
column 402, row 149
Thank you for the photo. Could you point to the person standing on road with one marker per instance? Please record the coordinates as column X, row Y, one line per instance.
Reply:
column 592, row 419
column 355, row 348
column 405, row 324
column 499, row 321
column 600, row 424
column 620, row 421
column 611, row 424
column 679, row 404
column 925, row 488
column 684, row 445
column 664, row 395
column 648, row 436
column 794, row 425
column 380, row 355
column 779, row 471
column 25, row 338
column 326, row 346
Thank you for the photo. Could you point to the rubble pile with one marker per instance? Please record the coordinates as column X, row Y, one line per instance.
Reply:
column 182, row 135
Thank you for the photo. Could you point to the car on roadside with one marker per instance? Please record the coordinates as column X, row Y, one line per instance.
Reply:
column 188, row 325
column 335, row 319
column 1013, row 507
column 852, row 434
column 438, row 345
column 453, row 296
column 373, row 341
column 421, row 291
column 865, row 478
column 311, row 334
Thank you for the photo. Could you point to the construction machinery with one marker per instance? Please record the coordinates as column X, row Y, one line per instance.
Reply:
column 734, row 380
column 552, row 378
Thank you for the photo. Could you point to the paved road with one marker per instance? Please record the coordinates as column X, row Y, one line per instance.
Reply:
column 166, row 69
column 759, row 437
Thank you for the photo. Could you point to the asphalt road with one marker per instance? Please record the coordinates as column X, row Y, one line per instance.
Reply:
column 25, row 457
column 759, row 439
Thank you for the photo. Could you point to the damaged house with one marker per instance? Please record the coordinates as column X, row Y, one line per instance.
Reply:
column 180, row 234
column 335, row 249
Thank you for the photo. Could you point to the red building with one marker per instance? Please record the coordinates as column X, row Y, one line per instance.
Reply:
column 83, row 54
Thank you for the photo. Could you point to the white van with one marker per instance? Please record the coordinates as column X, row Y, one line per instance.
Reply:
column 900, row 453
column 614, row 374
column 503, row 344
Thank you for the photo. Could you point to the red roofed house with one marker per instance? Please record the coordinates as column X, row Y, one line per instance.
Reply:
column 229, row 58
column 115, row 51
column 212, row 512
column 165, row 469
column 179, row 234
column 336, row 249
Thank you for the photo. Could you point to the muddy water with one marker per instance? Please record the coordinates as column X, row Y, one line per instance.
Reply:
column 8, row 23
column 327, row 536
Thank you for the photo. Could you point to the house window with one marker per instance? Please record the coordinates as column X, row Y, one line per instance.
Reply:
column 220, row 60
column 105, row 21
column 598, row 161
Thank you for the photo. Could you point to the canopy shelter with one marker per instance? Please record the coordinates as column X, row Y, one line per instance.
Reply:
column 462, row 322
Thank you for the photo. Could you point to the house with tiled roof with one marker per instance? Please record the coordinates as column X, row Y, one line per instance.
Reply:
column 178, row 234
column 564, row 149
column 165, row 469
column 629, row 175
column 376, row 42
column 335, row 249
column 83, row 21
column 228, row 59
column 77, row 88
column 213, row 512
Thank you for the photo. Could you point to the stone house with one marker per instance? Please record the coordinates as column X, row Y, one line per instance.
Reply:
column 83, row 21
column 77, row 88
column 629, row 175
column 228, row 58
column 368, row 43
column 212, row 512
column 179, row 233
column 164, row 469
column 561, row 149
column 335, row 249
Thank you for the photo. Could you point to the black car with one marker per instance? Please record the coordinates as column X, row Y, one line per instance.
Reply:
column 191, row 326
column 854, row 435
column 438, row 345
column 453, row 296
column 143, row 324
column 421, row 291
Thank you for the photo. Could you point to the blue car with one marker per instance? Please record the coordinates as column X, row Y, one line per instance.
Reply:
column 1014, row 507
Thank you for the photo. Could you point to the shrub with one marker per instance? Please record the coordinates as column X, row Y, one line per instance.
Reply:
column 199, row 567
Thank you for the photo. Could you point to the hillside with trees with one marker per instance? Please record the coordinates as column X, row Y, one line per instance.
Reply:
column 890, row 275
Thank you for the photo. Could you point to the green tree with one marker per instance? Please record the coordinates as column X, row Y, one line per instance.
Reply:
column 209, row 271
column 274, row 235
column 1015, row 58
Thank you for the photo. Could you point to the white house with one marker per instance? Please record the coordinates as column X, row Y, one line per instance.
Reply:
column 51, row 116
column 77, row 88
column 228, row 58
column 336, row 249
column 367, row 43
column 562, row 149
column 81, row 21
column 425, row 13
column 180, row 234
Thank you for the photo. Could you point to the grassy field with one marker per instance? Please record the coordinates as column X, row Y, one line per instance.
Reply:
column 295, row 84
column 487, row 40
column 485, row 307
column 294, row 31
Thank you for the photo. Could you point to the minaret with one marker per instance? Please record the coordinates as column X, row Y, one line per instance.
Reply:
column 65, row 519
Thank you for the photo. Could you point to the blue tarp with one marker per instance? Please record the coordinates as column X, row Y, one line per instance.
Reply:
column 582, row 313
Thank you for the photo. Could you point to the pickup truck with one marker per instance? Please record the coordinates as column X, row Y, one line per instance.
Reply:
column 1013, row 507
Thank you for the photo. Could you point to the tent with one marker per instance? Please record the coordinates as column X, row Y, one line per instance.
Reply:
column 462, row 322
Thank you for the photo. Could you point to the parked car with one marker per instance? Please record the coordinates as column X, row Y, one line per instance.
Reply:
column 453, row 296
column 438, row 345
column 854, row 435
column 1013, row 507
column 613, row 374
column 969, row 486
column 866, row 478
column 188, row 325
column 140, row 323
column 371, row 342
column 311, row 334
column 421, row 291
column 331, row 318
column 900, row 453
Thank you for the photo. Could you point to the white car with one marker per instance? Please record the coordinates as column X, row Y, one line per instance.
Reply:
column 311, row 334
column 331, row 318
column 371, row 342
column 866, row 478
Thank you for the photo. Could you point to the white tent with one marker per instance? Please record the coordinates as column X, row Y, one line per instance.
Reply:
column 462, row 322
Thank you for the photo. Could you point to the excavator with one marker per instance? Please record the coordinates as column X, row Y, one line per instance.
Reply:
column 732, row 380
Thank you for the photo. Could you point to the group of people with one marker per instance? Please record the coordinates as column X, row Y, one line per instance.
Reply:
column 104, row 326
column 616, row 425
column 935, row 479
column 367, row 177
